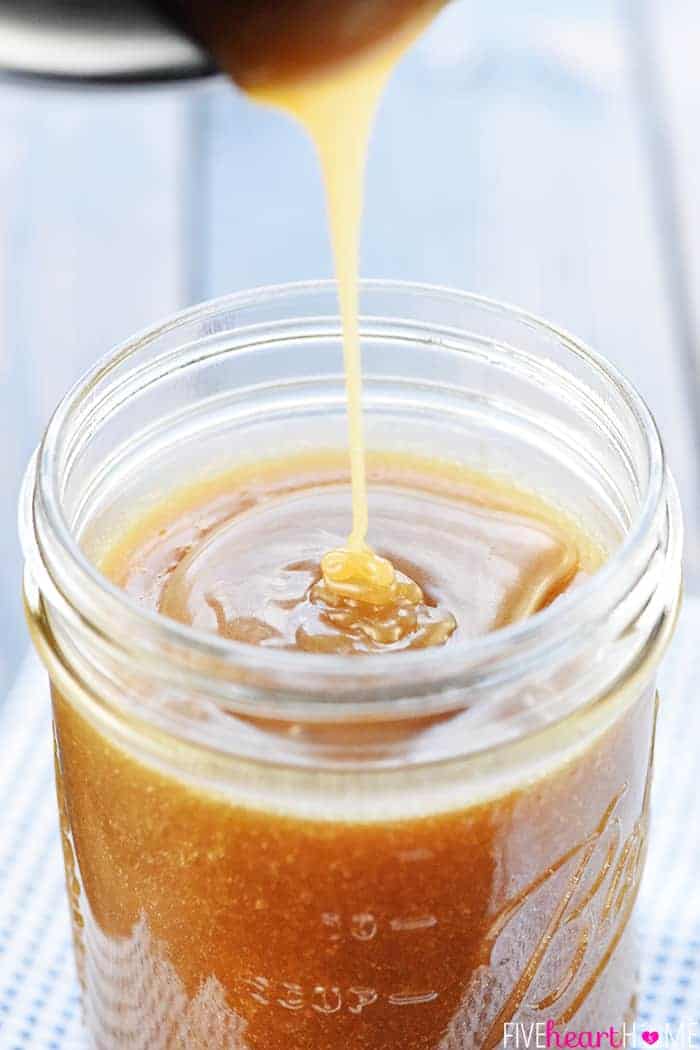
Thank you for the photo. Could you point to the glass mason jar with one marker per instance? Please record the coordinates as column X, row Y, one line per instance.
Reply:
column 272, row 849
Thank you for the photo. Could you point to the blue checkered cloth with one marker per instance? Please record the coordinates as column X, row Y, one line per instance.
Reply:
column 39, row 1002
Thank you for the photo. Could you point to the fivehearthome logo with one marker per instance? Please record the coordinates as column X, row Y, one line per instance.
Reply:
column 548, row 1035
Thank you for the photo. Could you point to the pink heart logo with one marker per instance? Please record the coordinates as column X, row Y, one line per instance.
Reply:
column 650, row 1037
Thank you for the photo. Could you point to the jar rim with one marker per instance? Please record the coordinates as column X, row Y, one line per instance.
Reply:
column 47, row 535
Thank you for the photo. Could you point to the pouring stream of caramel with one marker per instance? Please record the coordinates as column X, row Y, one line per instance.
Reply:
column 336, row 106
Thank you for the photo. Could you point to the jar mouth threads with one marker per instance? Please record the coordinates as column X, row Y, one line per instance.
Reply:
column 459, row 367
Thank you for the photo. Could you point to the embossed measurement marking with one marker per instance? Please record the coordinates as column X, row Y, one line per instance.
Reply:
column 412, row 1000
column 420, row 922
column 364, row 926
column 326, row 999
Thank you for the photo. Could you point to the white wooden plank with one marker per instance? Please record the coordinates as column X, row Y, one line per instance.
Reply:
column 668, row 32
column 91, row 230
column 510, row 158
column 673, row 31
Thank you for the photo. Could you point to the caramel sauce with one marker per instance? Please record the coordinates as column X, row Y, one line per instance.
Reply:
column 205, row 922
column 459, row 555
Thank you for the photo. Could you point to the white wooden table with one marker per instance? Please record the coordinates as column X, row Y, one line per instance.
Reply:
column 545, row 153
